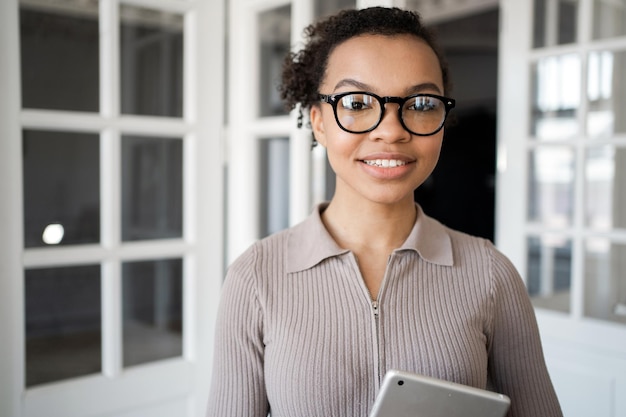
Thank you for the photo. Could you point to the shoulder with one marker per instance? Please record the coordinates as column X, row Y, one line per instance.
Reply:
column 478, row 248
column 265, row 251
column 477, row 253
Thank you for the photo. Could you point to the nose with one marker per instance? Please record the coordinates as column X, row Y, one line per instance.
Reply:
column 390, row 129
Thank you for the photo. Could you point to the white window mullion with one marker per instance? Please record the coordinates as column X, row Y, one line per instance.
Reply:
column 11, row 219
column 513, row 122
column 109, row 58
column 190, row 65
column 110, row 183
column 585, row 21
column 577, row 300
column 203, row 193
column 242, row 146
column 190, row 182
column 551, row 17
column 300, row 139
column 111, row 318
column 110, row 203
column 577, row 294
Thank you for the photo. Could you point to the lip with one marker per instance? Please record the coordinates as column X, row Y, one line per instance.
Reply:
column 389, row 156
column 387, row 172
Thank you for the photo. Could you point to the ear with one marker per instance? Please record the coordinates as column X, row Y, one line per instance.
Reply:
column 317, row 124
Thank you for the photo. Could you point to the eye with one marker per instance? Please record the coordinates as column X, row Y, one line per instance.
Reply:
column 357, row 102
column 423, row 104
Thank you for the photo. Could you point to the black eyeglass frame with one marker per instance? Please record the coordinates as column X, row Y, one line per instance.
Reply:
column 333, row 100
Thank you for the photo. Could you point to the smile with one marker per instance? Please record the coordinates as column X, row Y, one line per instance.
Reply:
column 385, row 163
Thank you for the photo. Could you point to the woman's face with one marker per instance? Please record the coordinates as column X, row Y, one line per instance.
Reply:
column 386, row 66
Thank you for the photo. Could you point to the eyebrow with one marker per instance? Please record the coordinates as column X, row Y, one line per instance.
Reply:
column 418, row 88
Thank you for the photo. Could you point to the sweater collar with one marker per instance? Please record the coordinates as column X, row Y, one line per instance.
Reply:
column 309, row 242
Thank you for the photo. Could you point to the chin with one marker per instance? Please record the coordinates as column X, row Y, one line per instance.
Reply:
column 391, row 199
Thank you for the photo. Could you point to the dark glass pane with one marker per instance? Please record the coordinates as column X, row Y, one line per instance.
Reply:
column 63, row 323
column 568, row 29
column 274, row 44
column 153, row 310
column 539, row 30
column 274, row 185
column 152, row 188
column 61, row 188
column 151, row 62
column 550, row 272
column 555, row 22
column 60, row 56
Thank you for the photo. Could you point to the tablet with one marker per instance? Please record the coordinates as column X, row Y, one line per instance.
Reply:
column 404, row 394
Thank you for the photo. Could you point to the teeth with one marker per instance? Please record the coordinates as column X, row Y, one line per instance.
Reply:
column 385, row 163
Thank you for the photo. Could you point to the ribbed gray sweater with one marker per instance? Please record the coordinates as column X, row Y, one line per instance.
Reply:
column 298, row 334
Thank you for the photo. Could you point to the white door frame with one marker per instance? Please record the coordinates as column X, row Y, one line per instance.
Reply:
column 246, row 130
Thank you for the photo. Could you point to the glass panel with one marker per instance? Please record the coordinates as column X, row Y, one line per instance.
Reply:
column 605, row 282
column 539, row 29
column 153, row 310
column 556, row 97
column 328, row 7
column 60, row 55
column 568, row 13
column 550, row 272
column 151, row 62
column 555, row 22
column 61, row 188
column 274, row 44
column 551, row 186
column 605, row 197
column 609, row 18
column 606, row 92
column 274, row 185
column 63, row 323
column 152, row 188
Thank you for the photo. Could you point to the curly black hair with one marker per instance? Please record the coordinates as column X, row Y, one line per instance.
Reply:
column 303, row 71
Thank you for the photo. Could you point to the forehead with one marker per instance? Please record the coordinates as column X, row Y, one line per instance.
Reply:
column 388, row 64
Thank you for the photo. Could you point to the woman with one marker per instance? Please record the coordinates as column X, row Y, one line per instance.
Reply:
column 311, row 318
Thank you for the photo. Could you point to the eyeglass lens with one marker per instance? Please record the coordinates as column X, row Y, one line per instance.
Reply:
column 361, row 112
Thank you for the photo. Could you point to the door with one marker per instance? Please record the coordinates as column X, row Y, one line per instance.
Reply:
column 112, row 258
column 275, row 176
column 561, row 187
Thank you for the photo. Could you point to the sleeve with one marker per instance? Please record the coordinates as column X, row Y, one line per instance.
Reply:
column 237, row 385
column 516, row 363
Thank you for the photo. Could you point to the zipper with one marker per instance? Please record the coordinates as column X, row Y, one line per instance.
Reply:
column 376, row 313
column 377, row 340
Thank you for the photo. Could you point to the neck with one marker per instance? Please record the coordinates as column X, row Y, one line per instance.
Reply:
column 370, row 226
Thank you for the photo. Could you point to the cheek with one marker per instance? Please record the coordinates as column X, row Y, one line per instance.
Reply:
column 339, row 148
column 428, row 152
column 342, row 150
column 432, row 147
column 330, row 124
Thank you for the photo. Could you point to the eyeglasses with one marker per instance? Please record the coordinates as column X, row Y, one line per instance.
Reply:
column 361, row 112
